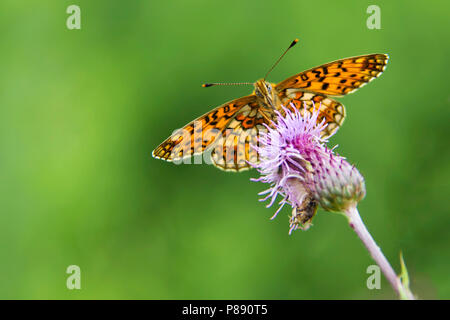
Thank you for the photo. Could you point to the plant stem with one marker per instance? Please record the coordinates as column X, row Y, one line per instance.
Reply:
column 357, row 224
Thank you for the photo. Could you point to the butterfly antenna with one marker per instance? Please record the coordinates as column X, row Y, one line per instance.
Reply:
column 206, row 85
column 285, row 51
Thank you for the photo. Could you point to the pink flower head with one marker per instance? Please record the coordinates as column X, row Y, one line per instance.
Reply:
column 299, row 167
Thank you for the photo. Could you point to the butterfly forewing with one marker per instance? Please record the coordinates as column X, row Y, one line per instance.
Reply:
column 203, row 133
column 339, row 77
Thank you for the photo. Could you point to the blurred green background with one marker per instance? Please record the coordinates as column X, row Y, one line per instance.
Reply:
column 81, row 111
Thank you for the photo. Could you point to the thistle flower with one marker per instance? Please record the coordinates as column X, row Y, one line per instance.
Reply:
column 300, row 168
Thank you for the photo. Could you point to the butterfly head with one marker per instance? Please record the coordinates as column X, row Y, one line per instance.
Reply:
column 265, row 93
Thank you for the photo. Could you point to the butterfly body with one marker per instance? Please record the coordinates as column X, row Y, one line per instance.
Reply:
column 266, row 94
column 229, row 130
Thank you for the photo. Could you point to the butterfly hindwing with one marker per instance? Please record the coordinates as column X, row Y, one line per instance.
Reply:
column 235, row 152
column 340, row 77
column 329, row 109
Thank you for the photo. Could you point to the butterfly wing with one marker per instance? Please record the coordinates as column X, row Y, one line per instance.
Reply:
column 338, row 78
column 329, row 109
column 234, row 152
column 202, row 133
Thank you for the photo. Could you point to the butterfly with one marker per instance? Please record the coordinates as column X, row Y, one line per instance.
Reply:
column 228, row 131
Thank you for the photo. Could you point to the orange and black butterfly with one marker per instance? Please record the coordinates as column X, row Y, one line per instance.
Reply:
column 228, row 130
